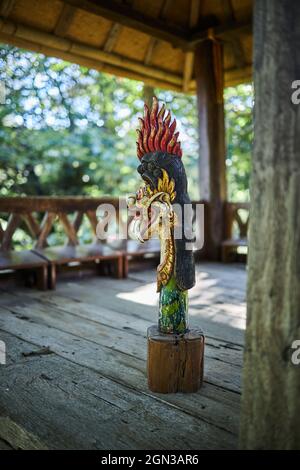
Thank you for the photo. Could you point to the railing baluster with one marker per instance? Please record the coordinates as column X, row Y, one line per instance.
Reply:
column 13, row 223
column 46, row 226
column 69, row 229
column 32, row 225
column 91, row 215
column 76, row 225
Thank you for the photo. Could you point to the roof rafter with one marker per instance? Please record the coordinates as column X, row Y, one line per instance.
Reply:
column 127, row 16
column 155, row 27
column 114, row 33
column 233, row 39
column 112, row 37
column 189, row 56
column 6, row 7
column 154, row 41
column 64, row 20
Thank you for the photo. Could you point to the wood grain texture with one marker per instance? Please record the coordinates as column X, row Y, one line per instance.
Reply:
column 86, row 410
column 175, row 362
column 271, row 398
column 139, row 33
column 212, row 142
column 93, row 377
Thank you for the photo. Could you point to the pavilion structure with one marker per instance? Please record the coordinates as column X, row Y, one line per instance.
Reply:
column 194, row 46
column 200, row 46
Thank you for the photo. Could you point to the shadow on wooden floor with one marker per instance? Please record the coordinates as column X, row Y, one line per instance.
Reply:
column 75, row 376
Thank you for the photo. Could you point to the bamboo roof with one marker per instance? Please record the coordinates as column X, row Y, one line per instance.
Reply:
column 148, row 40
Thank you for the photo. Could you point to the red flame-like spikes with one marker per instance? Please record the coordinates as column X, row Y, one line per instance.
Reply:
column 138, row 151
column 177, row 150
column 146, row 118
column 168, row 119
column 146, row 128
column 167, row 134
column 172, row 137
column 160, row 128
column 153, row 125
column 151, row 139
column 140, row 136
column 153, row 114
column 156, row 133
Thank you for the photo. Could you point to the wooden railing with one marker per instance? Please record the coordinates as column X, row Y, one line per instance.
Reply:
column 38, row 216
column 37, row 219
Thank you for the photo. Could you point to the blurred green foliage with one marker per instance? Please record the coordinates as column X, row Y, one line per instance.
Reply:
column 239, row 138
column 66, row 129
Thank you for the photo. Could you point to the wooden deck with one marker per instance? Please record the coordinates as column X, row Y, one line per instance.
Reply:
column 75, row 373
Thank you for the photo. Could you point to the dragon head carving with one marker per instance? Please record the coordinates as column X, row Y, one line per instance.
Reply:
column 164, row 189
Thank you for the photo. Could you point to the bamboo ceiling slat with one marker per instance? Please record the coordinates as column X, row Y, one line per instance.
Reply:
column 137, row 44
column 41, row 14
column 88, row 29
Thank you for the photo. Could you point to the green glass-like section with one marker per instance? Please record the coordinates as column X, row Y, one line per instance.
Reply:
column 173, row 307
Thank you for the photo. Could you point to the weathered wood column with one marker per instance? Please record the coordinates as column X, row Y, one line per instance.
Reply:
column 148, row 93
column 271, row 388
column 209, row 78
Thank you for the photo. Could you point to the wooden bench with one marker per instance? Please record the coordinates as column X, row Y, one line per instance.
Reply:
column 44, row 259
column 236, row 228
column 41, row 217
column 95, row 255
column 34, row 267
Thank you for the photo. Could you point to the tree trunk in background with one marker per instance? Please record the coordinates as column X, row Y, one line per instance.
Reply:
column 271, row 389
column 148, row 93
column 212, row 172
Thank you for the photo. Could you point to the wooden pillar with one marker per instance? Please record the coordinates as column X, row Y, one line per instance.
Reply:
column 270, row 415
column 209, row 79
column 148, row 93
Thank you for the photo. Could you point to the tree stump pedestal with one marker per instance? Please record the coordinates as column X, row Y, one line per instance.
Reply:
column 175, row 362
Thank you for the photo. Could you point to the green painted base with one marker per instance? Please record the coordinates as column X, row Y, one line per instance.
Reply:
column 173, row 309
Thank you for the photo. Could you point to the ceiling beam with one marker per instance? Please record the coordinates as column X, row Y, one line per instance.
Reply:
column 219, row 31
column 6, row 7
column 189, row 56
column 64, row 20
column 154, row 41
column 112, row 37
column 156, row 27
column 150, row 51
column 127, row 16
column 233, row 39
column 35, row 39
column 237, row 50
column 114, row 32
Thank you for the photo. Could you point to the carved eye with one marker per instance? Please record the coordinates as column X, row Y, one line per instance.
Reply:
column 157, row 172
column 151, row 166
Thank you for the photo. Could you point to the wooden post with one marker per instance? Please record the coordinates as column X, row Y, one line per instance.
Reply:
column 209, row 79
column 175, row 362
column 270, row 416
column 148, row 93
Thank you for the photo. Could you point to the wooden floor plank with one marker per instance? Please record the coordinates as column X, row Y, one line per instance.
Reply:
column 212, row 319
column 56, row 305
column 54, row 403
column 211, row 305
column 93, row 331
column 217, row 405
column 216, row 371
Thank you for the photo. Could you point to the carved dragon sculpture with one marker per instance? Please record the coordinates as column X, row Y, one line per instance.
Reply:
column 157, row 203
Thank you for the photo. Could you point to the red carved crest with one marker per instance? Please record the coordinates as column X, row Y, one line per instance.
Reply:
column 156, row 133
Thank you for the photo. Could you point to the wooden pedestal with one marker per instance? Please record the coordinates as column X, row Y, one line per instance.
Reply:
column 175, row 362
